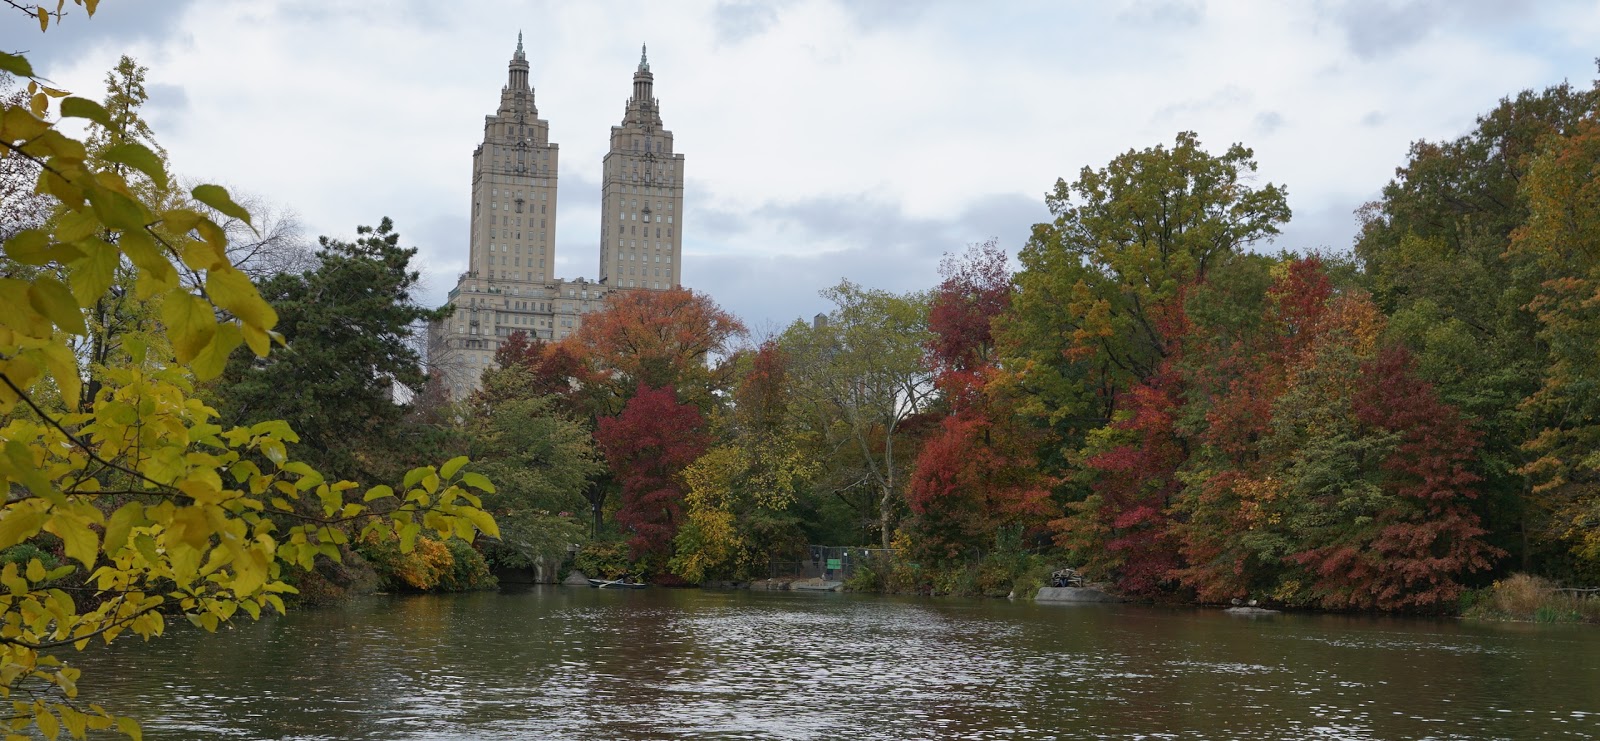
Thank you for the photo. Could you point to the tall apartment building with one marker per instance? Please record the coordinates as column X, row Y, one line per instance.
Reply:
column 641, row 240
column 510, row 284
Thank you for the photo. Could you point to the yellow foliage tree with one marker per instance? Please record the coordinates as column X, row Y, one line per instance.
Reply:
column 158, row 510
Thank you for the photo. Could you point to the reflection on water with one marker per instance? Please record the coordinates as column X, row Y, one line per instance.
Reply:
column 653, row 664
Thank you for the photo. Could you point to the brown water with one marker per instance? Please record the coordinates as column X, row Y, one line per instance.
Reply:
column 564, row 663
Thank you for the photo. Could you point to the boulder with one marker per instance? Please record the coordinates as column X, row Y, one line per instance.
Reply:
column 1250, row 611
column 575, row 579
column 1074, row 594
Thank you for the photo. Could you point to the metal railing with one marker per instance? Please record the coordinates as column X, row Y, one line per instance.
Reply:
column 826, row 562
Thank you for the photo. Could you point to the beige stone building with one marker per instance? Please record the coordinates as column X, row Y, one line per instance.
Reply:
column 510, row 284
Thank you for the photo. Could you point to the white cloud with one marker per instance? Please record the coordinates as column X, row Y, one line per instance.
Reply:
column 824, row 138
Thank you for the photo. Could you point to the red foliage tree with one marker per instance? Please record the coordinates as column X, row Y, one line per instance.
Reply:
column 647, row 446
column 762, row 396
column 1245, row 379
column 979, row 472
column 976, row 289
column 1428, row 536
column 545, row 369
column 1329, row 474
column 1124, row 529
column 971, row 479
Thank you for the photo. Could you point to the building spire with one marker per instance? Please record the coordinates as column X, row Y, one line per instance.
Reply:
column 519, row 55
column 644, row 59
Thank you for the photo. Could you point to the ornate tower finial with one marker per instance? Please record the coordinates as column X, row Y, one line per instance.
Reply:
column 644, row 60
column 519, row 54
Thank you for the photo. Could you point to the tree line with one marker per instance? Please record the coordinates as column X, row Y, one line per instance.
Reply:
column 1151, row 395
column 189, row 396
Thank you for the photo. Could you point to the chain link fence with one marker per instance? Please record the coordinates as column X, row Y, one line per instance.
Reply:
column 828, row 562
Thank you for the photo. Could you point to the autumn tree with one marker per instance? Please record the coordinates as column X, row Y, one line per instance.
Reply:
column 1329, row 474
column 859, row 377
column 1435, row 251
column 978, row 473
column 158, row 510
column 1122, row 529
column 1126, row 239
column 673, row 338
column 1562, row 237
column 551, row 369
column 740, row 503
column 648, row 446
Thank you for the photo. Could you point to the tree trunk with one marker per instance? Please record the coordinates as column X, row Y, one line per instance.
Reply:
column 885, row 512
column 886, row 500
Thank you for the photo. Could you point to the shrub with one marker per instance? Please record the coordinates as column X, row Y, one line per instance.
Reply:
column 21, row 553
column 605, row 560
column 468, row 572
column 1526, row 597
column 433, row 565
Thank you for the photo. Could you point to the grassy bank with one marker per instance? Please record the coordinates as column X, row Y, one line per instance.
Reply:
column 997, row 575
column 1529, row 598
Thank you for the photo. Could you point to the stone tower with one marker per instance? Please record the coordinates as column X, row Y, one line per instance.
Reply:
column 510, row 285
column 514, row 175
column 641, row 236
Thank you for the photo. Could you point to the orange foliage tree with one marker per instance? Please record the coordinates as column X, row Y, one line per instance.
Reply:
column 675, row 338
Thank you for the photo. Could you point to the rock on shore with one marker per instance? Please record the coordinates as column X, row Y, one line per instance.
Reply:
column 1074, row 594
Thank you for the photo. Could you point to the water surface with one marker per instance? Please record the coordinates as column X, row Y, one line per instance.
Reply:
column 565, row 663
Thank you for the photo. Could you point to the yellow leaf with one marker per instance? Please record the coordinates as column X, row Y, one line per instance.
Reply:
column 18, row 123
column 130, row 728
column 260, row 342
column 139, row 157
column 79, row 540
column 378, row 492
column 142, row 250
column 483, row 521
column 21, row 521
column 451, row 466
column 477, row 481
column 35, row 570
column 213, row 358
column 180, row 221
column 15, row 64
column 63, row 365
column 75, row 107
column 233, row 291
column 91, row 275
column 123, row 520
column 77, row 226
column 217, row 197
column 44, row 23
column 33, row 247
column 77, row 723
column 116, row 210
column 191, row 325
column 52, row 299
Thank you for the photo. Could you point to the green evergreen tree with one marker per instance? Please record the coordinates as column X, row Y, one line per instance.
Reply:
column 348, row 327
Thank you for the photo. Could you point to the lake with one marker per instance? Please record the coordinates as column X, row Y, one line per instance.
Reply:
column 574, row 663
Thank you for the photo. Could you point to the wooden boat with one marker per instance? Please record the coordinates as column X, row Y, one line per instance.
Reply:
column 615, row 584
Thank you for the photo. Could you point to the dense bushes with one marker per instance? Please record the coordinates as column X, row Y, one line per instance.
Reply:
column 433, row 565
column 1525, row 597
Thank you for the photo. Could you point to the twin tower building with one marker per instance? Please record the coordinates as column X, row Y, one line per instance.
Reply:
column 510, row 285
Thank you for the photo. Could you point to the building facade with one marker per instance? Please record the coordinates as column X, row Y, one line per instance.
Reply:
column 510, row 285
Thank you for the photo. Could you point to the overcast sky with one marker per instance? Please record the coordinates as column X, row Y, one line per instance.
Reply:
column 823, row 139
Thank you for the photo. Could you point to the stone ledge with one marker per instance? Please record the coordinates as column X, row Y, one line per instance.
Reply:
column 1074, row 594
